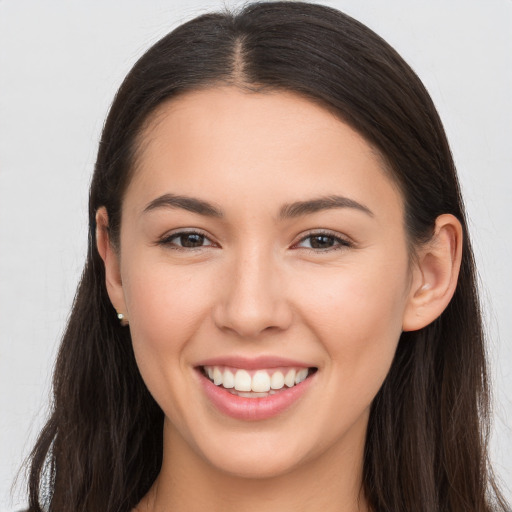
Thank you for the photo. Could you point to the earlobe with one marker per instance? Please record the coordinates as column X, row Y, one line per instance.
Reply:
column 435, row 274
column 110, row 259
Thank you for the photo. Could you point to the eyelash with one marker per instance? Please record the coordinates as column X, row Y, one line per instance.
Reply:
column 168, row 240
column 341, row 243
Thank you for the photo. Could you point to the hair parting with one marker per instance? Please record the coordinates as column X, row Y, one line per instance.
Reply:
column 426, row 446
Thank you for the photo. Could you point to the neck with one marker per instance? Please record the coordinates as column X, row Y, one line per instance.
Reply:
column 331, row 483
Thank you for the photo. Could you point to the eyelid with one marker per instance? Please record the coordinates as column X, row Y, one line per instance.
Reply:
column 166, row 240
column 343, row 241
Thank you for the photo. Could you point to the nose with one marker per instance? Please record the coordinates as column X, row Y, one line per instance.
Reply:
column 253, row 297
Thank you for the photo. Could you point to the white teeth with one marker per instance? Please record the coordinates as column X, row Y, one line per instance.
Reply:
column 217, row 376
column 260, row 382
column 242, row 381
column 228, row 380
column 277, row 380
column 289, row 380
column 301, row 375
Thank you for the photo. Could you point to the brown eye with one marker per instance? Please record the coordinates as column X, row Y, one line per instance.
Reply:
column 191, row 240
column 323, row 242
column 186, row 240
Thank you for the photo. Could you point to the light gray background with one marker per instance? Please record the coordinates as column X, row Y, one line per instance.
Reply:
column 60, row 65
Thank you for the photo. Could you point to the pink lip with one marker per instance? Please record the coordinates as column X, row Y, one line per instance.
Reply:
column 261, row 362
column 253, row 409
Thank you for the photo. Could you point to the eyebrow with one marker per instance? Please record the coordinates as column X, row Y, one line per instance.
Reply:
column 190, row 204
column 287, row 211
column 322, row 203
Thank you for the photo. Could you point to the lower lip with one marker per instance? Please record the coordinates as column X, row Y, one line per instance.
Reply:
column 253, row 409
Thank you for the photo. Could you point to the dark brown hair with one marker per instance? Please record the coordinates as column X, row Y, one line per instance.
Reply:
column 426, row 446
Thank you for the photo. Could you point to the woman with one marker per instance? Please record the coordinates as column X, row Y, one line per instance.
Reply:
column 278, row 308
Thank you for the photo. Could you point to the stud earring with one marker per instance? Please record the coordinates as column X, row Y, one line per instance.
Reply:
column 122, row 319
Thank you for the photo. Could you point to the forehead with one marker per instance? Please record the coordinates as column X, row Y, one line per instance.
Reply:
column 227, row 141
column 236, row 114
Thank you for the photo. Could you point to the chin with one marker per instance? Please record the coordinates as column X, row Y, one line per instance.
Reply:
column 257, row 467
column 256, row 456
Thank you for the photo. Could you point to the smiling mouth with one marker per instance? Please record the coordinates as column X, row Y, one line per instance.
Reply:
column 256, row 383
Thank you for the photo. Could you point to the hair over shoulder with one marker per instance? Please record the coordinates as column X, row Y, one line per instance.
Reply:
column 426, row 445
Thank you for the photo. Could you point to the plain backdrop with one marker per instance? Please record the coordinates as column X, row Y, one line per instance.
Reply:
column 60, row 65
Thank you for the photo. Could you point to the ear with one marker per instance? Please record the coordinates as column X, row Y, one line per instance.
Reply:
column 111, row 260
column 435, row 274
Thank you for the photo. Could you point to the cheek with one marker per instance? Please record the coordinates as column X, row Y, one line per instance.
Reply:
column 165, row 310
column 157, row 297
column 357, row 314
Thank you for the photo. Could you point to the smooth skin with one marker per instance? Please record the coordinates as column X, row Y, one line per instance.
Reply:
column 334, row 288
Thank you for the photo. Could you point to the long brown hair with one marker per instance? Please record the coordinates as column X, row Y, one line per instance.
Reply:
column 426, row 446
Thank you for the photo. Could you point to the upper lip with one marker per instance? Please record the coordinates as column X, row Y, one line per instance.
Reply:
column 253, row 363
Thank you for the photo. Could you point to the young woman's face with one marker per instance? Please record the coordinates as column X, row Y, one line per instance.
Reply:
column 262, row 241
